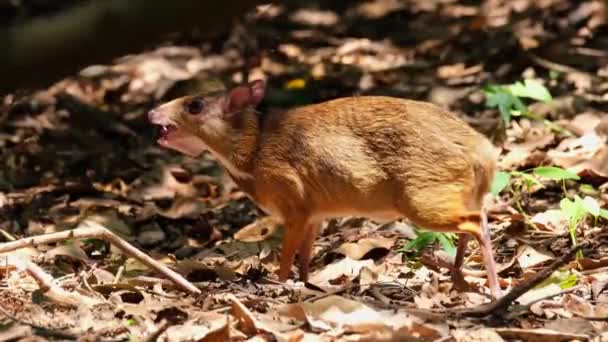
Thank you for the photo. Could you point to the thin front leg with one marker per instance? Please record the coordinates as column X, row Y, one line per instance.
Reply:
column 463, row 239
column 292, row 240
column 305, row 252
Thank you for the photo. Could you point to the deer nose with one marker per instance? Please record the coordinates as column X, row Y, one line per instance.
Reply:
column 152, row 115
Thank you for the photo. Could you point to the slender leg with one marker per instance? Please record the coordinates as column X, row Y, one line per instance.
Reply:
column 292, row 240
column 485, row 243
column 305, row 252
column 463, row 239
column 482, row 235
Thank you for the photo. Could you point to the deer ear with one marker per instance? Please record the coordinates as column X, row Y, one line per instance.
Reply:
column 244, row 96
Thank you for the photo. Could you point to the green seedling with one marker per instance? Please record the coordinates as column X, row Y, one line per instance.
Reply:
column 564, row 278
column 509, row 99
column 527, row 179
column 577, row 210
column 426, row 238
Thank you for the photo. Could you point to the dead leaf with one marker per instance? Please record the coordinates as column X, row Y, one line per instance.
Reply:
column 259, row 230
column 345, row 269
column 71, row 250
column 574, row 325
column 535, row 294
column 592, row 264
column 578, row 305
column 529, row 257
column 336, row 311
column 458, row 70
column 545, row 335
column 469, row 335
column 246, row 320
column 218, row 335
column 574, row 153
column 109, row 218
column 357, row 250
column 552, row 220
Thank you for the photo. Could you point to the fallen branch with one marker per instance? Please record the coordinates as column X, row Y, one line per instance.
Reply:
column 500, row 305
column 47, row 285
column 95, row 230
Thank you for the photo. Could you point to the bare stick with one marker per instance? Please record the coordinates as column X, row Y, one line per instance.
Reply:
column 164, row 325
column 55, row 293
column 503, row 303
column 95, row 230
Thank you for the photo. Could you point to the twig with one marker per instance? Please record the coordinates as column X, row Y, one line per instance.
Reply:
column 164, row 325
column 502, row 304
column 555, row 66
column 95, row 230
column 55, row 293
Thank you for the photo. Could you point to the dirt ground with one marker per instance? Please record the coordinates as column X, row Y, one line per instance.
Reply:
column 83, row 154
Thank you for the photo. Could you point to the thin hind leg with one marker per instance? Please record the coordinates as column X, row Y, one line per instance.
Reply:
column 463, row 239
column 305, row 250
column 480, row 231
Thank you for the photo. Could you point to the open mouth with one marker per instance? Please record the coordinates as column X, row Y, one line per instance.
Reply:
column 172, row 137
column 165, row 131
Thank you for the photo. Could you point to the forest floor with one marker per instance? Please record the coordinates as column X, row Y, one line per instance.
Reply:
column 82, row 154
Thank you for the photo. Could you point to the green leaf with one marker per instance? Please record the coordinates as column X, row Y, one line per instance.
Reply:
column 420, row 242
column 591, row 206
column 604, row 213
column 501, row 180
column 528, row 179
column 502, row 99
column 447, row 244
column 554, row 173
column 574, row 210
column 564, row 278
column 568, row 281
column 588, row 189
column 532, row 89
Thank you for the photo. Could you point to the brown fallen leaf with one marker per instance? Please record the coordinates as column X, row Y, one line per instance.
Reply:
column 588, row 264
column 578, row 305
column 574, row 325
column 258, row 230
column 357, row 250
column 458, row 70
column 336, row 311
column 538, row 293
column 545, row 335
column 346, row 269
column 245, row 318
column 552, row 220
column 71, row 250
column 574, row 154
column 220, row 334
column 183, row 207
column 468, row 335
column 529, row 257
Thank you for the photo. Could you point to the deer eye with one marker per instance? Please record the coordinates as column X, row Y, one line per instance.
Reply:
column 195, row 106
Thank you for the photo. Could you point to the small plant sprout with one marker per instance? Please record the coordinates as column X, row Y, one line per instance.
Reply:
column 426, row 238
column 576, row 210
column 531, row 177
column 509, row 99
column 526, row 180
